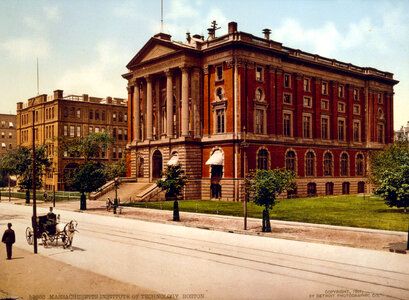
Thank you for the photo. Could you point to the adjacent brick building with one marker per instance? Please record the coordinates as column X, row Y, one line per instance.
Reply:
column 225, row 105
column 58, row 117
column 8, row 129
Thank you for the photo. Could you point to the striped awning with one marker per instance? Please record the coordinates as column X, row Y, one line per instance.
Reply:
column 216, row 159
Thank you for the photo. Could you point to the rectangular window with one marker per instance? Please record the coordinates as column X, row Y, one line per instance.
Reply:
column 356, row 94
column 287, row 98
column 324, row 88
column 341, row 91
column 119, row 152
column 78, row 131
column 287, row 81
column 10, row 135
column 356, row 109
column 126, row 117
column 380, row 131
column 96, row 129
column 287, row 128
column 307, row 126
column 259, row 121
column 380, row 100
column 114, row 132
column 306, row 84
column 324, row 104
column 114, row 152
column 219, row 73
column 114, row 116
column 119, row 134
column 357, row 131
column 325, row 128
column 220, row 121
column 259, row 73
column 72, row 131
column 307, row 102
column 341, row 130
column 65, row 130
column 126, row 134
column 90, row 130
column 341, row 107
column 78, row 113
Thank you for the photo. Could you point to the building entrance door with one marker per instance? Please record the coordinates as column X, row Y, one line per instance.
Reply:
column 156, row 164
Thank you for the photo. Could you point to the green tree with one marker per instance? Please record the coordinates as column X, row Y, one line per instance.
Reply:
column 89, row 176
column 390, row 172
column 173, row 183
column 264, row 186
column 18, row 162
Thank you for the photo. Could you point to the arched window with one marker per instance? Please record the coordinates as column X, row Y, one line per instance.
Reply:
column 311, row 189
column 329, row 188
column 328, row 164
column 290, row 161
column 262, row 159
column 359, row 165
column 259, row 94
column 309, row 163
column 344, row 165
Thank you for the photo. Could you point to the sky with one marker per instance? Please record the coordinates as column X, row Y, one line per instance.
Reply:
column 83, row 46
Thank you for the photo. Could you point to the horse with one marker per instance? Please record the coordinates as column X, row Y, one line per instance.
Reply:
column 67, row 232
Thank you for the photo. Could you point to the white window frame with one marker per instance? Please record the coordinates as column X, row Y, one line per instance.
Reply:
column 289, row 95
column 341, row 91
column 307, row 132
column 326, row 105
column 358, row 139
column 307, row 101
column 290, row 113
column 307, row 84
column 287, row 76
column 341, row 107
column 217, row 75
column 259, row 74
column 324, row 88
column 343, row 129
column 356, row 110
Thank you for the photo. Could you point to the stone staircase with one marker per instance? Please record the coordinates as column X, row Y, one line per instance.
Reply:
column 130, row 191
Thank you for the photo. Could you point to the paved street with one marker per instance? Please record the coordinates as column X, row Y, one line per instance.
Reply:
column 218, row 265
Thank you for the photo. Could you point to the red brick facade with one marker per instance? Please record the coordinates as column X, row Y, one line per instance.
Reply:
column 262, row 105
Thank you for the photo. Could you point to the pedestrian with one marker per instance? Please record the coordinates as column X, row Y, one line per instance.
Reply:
column 9, row 238
column 45, row 195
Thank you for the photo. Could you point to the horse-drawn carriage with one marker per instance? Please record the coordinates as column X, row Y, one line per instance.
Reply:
column 49, row 230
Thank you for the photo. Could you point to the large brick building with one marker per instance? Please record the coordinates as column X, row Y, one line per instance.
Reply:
column 225, row 105
column 58, row 117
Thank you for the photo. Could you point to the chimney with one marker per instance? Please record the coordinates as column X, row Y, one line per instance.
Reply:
column 85, row 97
column 188, row 38
column 232, row 27
column 109, row 100
column 211, row 32
column 58, row 94
column 267, row 32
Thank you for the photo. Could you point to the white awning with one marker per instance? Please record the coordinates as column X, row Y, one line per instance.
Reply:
column 11, row 124
column 3, row 145
column 174, row 160
column 217, row 159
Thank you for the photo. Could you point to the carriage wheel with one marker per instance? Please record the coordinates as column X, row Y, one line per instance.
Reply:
column 44, row 238
column 29, row 235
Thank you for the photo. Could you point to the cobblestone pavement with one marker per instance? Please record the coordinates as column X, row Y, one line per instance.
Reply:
column 345, row 236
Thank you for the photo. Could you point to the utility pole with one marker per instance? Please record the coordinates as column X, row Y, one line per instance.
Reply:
column 244, row 145
column 34, row 220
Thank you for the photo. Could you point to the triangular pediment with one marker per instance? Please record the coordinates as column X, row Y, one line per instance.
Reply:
column 153, row 49
column 156, row 51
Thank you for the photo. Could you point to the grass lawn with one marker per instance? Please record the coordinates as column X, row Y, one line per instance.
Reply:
column 353, row 211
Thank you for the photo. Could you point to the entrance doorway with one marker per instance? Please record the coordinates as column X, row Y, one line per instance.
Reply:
column 156, row 164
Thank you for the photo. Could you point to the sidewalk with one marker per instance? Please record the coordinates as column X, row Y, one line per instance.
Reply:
column 336, row 235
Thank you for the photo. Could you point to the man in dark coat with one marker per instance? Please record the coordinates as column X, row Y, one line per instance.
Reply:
column 9, row 238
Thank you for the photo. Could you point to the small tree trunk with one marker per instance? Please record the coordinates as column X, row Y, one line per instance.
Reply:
column 266, row 221
column 83, row 202
column 28, row 196
column 176, row 211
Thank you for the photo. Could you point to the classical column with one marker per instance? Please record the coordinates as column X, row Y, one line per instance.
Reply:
column 169, row 104
column 185, row 101
column 149, row 111
column 136, row 113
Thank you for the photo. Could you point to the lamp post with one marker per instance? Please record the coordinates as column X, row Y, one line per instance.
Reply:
column 244, row 146
column 53, row 188
column 34, row 219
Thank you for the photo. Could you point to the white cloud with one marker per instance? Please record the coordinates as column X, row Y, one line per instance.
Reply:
column 182, row 9
column 25, row 48
column 96, row 77
column 52, row 13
